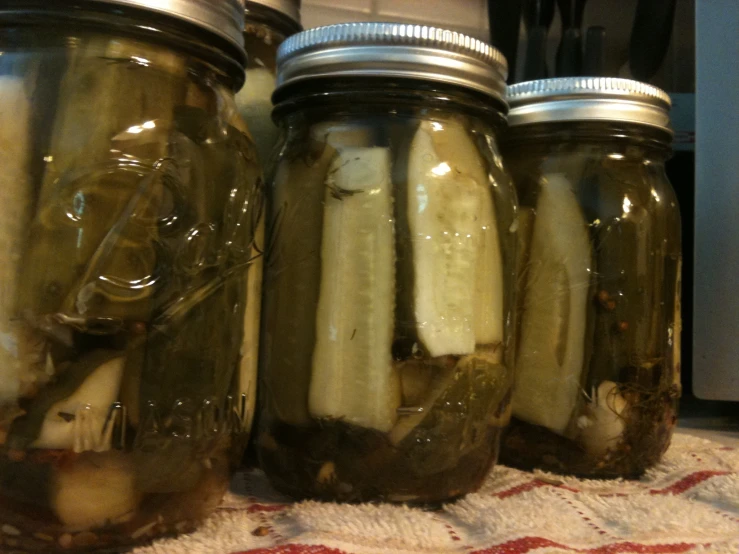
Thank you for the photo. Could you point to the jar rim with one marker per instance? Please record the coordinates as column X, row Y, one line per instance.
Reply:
column 394, row 50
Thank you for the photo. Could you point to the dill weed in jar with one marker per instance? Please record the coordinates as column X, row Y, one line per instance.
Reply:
column 598, row 355
column 130, row 192
column 385, row 360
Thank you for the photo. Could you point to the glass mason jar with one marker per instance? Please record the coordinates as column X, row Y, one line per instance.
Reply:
column 598, row 360
column 267, row 24
column 385, row 367
column 130, row 194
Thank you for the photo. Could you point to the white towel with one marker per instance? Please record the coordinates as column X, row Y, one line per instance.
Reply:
column 689, row 503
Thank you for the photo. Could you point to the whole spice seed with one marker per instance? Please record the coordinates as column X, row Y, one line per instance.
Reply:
column 65, row 541
column 141, row 531
column 10, row 530
column 86, row 538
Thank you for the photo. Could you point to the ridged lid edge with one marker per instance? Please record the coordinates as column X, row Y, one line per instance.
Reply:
column 584, row 86
column 378, row 33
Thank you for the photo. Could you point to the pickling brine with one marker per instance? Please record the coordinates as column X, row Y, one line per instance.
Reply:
column 130, row 198
column 598, row 361
column 385, row 359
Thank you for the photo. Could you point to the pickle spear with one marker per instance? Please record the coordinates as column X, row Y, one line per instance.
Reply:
column 455, row 145
column 72, row 413
column 292, row 276
column 84, row 258
column 550, row 361
column 250, row 344
column 353, row 377
column 15, row 195
column 462, row 406
column 423, row 382
column 256, row 109
column 456, row 252
column 109, row 83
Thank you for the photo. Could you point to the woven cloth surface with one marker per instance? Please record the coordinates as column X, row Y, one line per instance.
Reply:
column 689, row 503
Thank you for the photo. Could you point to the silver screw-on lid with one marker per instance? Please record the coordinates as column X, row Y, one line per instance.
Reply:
column 588, row 98
column 392, row 50
column 288, row 8
column 224, row 18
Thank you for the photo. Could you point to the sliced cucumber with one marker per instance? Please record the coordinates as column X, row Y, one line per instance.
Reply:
column 292, row 275
column 15, row 195
column 344, row 134
column 456, row 252
column 550, row 361
column 120, row 95
column 353, row 377
column 250, row 344
column 524, row 231
column 423, row 382
column 99, row 184
column 256, row 109
column 417, row 377
column 78, row 422
column 488, row 307
column 461, row 406
column 455, row 146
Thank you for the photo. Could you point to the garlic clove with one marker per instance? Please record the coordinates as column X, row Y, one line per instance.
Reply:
column 602, row 427
column 94, row 490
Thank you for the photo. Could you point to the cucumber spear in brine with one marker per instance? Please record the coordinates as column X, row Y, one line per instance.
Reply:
column 85, row 258
column 353, row 377
column 15, row 196
column 292, row 274
column 550, row 360
column 458, row 292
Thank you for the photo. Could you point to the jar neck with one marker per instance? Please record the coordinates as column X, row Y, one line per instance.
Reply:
column 652, row 143
column 257, row 14
column 385, row 95
column 46, row 19
column 264, row 30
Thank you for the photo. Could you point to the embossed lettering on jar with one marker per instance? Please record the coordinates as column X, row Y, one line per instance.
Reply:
column 130, row 197
column 598, row 361
column 387, row 307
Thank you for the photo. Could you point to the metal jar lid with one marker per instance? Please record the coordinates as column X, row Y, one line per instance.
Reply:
column 224, row 18
column 392, row 50
column 588, row 99
column 288, row 8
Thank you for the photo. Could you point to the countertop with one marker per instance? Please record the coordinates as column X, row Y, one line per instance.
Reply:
column 723, row 433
